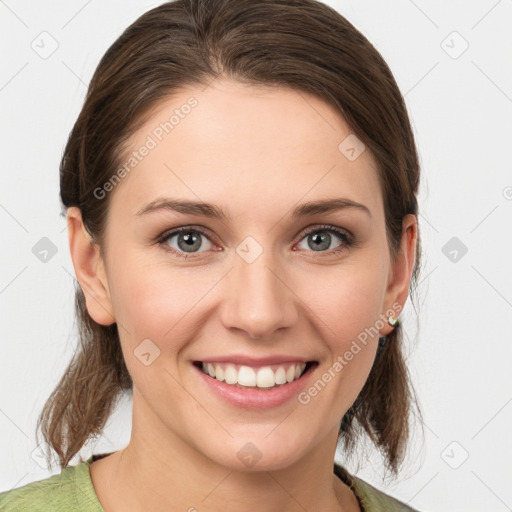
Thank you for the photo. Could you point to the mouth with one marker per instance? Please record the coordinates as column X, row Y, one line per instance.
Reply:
column 260, row 378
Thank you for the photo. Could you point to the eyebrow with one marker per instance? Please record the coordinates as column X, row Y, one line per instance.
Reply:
column 212, row 211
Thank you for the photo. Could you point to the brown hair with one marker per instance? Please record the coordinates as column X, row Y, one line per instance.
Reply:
column 300, row 44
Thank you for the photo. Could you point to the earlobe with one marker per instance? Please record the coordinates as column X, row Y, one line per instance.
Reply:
column 401, row 271
column 89, row 269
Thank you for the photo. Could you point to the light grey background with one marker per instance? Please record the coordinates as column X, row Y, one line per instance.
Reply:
column 460, row 103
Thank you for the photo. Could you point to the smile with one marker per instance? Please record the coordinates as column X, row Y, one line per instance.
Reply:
column 262, row 377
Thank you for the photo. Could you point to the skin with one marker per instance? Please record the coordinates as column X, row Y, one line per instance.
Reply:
column 257, row 153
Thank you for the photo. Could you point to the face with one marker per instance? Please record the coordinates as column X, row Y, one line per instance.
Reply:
column 256, row 287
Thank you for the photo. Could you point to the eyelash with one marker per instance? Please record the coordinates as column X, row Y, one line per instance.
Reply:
column 347, row 238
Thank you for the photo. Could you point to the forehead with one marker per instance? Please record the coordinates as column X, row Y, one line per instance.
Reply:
column 244, row 147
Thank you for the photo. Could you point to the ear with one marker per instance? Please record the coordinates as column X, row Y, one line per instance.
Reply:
column 89, row 269
column 401, row 270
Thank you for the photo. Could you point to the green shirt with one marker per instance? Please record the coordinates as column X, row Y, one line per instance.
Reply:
column 72, row 491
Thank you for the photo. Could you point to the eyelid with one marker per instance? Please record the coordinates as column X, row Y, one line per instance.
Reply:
column 169, row 233
column 327, row 227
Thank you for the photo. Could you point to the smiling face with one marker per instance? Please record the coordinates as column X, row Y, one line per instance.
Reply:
column 263, row 280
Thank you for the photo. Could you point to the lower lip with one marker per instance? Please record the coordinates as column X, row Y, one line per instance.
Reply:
column 251, row 398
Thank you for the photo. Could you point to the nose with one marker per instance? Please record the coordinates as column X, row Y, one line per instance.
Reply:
column 259, row 301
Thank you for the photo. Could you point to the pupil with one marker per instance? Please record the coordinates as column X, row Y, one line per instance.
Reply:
column 187, row 241
column 318, row 240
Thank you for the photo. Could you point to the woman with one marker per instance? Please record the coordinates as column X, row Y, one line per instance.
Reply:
column 241, row 195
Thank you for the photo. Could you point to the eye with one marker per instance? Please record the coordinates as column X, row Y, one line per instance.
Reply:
column 322, row 239
column 188, row 240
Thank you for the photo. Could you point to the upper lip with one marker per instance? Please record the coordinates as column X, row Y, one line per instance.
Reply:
column 256, row 361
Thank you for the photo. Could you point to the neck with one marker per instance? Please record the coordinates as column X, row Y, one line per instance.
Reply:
column 163, row 472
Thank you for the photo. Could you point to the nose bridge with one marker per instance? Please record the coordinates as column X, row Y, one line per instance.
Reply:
column 259, row 300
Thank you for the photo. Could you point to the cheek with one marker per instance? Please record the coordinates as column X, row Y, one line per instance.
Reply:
column 346, row 301
column 346, row 306
column 140, row 298
column 152, row 301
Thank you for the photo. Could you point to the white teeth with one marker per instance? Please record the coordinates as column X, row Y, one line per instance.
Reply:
column 264, row 377
column 246, row 376
column 280, row 376
column 219, row 373
column 231, row 375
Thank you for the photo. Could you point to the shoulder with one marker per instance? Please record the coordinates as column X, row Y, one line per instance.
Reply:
column 374, row 499
column 371, row 498
column 71, row 489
